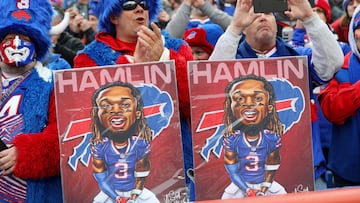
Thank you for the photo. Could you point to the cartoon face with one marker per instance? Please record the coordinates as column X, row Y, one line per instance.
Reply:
column 117, row 108
column 249, row 101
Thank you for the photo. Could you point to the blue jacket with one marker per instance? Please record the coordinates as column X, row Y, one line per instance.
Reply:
column 36, row 91
column 344, row 152
column 284, row 49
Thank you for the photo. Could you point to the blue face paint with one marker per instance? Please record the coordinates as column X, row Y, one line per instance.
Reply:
column 17, row 52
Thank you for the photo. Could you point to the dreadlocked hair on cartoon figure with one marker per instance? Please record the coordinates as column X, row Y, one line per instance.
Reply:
column 270, row 121
column 139, row 128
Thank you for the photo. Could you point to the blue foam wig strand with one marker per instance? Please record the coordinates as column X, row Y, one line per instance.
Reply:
column 103, row 9
column 32, row 20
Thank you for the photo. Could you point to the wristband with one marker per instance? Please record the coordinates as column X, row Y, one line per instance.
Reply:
column 266, row 184
column 142, row 174
column 135, row 192
column 272, row 167
column 233, row 171
column 258, row 194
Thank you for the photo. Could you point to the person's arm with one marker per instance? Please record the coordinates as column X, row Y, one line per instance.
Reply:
column 232, row 168
column 101, row 176
column 271, row 166
column 327, row 55
column 99, row 167
column 150, row 45
column 179, row 20
column 38, row 154
column 216, row 15
column 142, row 171
column 334, row 101
column 226, row 46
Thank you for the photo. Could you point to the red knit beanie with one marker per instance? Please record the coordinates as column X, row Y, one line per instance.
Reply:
column 324, row 5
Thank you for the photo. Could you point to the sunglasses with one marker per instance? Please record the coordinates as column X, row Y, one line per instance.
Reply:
column 131, row 5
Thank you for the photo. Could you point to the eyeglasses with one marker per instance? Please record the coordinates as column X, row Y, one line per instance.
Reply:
column 131, row 5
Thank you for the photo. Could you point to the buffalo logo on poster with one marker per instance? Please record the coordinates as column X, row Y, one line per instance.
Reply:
column 158, row 110
column 290, row 104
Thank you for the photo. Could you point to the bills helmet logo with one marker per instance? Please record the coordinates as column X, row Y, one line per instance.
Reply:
column 290, row 104
column 158, row 111
column 21, row 15
column 158, row 108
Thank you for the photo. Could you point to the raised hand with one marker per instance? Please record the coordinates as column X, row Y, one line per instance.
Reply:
column 149, row 45
column 243, row 16
column 299, row 10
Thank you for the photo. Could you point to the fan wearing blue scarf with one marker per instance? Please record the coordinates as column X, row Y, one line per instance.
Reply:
column 339, row 101
column 30, row 166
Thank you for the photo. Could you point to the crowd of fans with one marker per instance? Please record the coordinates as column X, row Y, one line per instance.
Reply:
column 84, row 35
column 201, row 22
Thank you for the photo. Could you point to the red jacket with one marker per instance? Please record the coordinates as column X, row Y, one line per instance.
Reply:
column 336, row 96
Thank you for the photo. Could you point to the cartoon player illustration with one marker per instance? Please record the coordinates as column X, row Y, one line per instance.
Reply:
column 252, row 138
column 120, row 145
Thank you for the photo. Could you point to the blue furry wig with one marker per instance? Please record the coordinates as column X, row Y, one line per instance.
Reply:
column 103, row 9
column 31, row 18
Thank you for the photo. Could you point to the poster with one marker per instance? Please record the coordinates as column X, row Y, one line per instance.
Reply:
column 289, row 78
column 156, row 84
